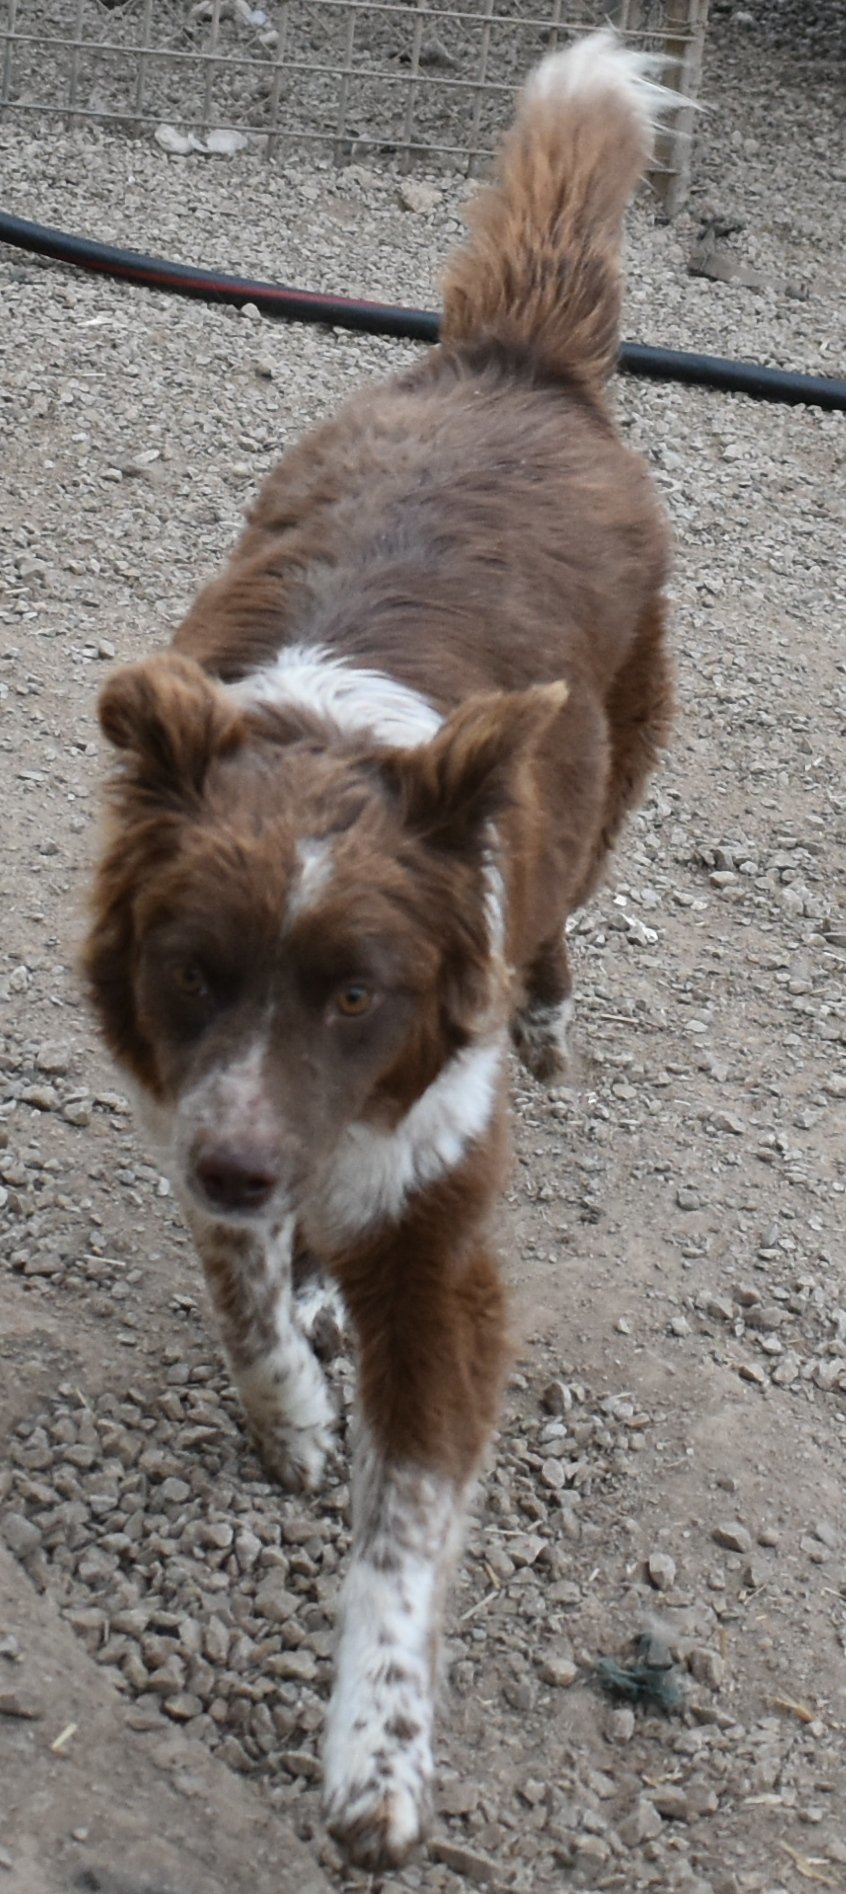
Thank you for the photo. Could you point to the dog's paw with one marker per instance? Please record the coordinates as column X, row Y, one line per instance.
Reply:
column 290, row 1413
column 381, row 1807
column 540, row 1033
column 295, row 1457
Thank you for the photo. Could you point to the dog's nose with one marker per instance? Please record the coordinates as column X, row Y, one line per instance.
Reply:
column 235, row 1180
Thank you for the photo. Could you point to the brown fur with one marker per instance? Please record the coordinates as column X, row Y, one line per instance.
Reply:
column 476, row 531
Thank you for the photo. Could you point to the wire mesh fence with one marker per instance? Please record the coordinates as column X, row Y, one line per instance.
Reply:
column 420, row 82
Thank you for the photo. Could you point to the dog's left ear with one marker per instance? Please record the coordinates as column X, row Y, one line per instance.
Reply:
column 464, row 777
column 171, row 720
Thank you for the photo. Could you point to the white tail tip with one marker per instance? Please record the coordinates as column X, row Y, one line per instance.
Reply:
column 601, row 64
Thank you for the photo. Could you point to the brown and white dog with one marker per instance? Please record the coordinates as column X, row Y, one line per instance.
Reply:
column 382, row 763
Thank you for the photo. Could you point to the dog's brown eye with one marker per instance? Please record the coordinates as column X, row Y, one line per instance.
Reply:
column 191, row 980
column 353, row 1001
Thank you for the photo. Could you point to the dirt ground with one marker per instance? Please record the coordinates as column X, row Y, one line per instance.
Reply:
column 670, row 1464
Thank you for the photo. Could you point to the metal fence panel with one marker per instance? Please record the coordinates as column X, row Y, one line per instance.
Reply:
column 419, row 82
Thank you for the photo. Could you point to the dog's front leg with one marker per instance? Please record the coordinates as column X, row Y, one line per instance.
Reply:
column 280, row 1382
column 431, row 1347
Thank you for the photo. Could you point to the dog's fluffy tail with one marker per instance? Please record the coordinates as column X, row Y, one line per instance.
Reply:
column 541, row 267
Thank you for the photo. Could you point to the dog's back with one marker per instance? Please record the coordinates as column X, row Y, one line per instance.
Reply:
column 356, row 804
column 477, row 523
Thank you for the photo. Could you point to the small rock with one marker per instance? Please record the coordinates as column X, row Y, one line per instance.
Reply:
column 459, row 1797
column 414, row 195
column 764, row 1317
column 247, row 1549
column 13, row 1705
column 177, row 143
column 465, row 1861
column 720, row 1308
column 300, row 1762
column 41, row 1097
column 21, row 1536
column 556, row 1398
column 827, row 1373
column 751, row 1371
column 174, row 1491
column 182, row 1707
column 558, row 1670
column 433, row 52
column 733, row 1536
column 707, row 1666
column 620, row 1725
column 526, row 1548
column 672, row 1803
column 687, row 1198
column 53, row 1058
column 662, row 1571
column 644, row 1824
column 225, row 143
column 788, row 1370
column 553, row 1475
column 300, row 1666
column 827, row 1534
column 533, row 1792
column 274, row 1602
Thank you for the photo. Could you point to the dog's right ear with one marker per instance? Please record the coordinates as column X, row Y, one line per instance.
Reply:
column 170, row 719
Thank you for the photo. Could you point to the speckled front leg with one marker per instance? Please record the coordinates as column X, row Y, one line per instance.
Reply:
column 378, row 1761
column 280, row 1382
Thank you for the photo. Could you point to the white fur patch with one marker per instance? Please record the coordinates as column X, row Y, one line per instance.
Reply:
column 314, row 863
column 378, row 1762
column 318, row 1298
column 495, row 896
column 359, row 701
column 601, row 64
column 372, row 1173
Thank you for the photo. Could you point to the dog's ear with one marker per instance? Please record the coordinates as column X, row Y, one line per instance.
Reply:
column 449, row 787
column 170, row 720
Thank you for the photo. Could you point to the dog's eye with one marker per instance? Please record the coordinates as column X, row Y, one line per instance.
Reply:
column 191, row 980
column 354, row 1000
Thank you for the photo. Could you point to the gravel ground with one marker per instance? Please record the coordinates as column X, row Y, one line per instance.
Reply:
column 670, row 1463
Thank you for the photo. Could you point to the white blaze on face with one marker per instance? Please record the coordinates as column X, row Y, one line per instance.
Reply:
column 314, row 873
column 231, row 1102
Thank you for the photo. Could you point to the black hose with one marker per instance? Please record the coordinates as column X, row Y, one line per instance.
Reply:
column 411, row 325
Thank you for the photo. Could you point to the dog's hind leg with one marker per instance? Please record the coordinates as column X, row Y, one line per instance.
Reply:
column 279, row 1379
column 640, row 716
column 540, row 1026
